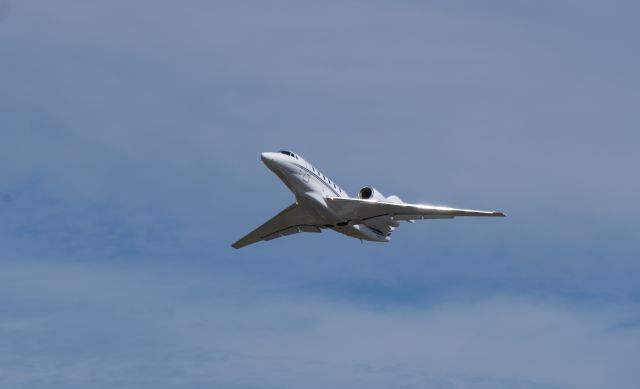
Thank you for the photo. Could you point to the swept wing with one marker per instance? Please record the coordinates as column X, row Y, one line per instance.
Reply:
column 360, row 210
column 291, row 220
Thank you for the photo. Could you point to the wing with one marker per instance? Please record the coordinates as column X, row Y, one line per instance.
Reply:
column 292, row 220
column 359, row 211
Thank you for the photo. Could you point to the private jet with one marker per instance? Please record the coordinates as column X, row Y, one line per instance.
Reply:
column 321, row 204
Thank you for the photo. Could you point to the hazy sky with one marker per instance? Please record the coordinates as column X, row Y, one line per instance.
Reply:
column 129, row 162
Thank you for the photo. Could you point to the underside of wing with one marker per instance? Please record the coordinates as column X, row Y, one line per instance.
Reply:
column 360, row 210
column 291, row 220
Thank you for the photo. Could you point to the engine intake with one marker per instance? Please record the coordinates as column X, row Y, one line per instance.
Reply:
column 370, row 193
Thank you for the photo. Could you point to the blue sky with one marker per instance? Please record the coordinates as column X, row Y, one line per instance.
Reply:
column 129, row 162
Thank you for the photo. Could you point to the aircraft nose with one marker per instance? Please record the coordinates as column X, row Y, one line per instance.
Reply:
column 268, row 158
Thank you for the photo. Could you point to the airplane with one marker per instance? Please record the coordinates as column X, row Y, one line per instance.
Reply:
column 321, row 204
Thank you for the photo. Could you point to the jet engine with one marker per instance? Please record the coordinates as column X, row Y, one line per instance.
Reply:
column 370, row 193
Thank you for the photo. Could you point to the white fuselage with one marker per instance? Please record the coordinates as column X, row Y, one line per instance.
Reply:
column 311, row 189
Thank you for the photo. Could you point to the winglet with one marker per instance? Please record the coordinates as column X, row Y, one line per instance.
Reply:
column 498, row 213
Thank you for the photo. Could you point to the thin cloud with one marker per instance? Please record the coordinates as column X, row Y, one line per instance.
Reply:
column 129, row 162
column 177, row 328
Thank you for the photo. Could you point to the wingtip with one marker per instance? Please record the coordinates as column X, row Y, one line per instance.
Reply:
column 498, row 213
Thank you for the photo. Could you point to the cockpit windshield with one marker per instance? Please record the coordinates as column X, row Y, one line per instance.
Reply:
column 289, row 153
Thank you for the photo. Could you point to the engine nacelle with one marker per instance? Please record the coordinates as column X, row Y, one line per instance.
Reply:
column 394, row 199
column 370, row 193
